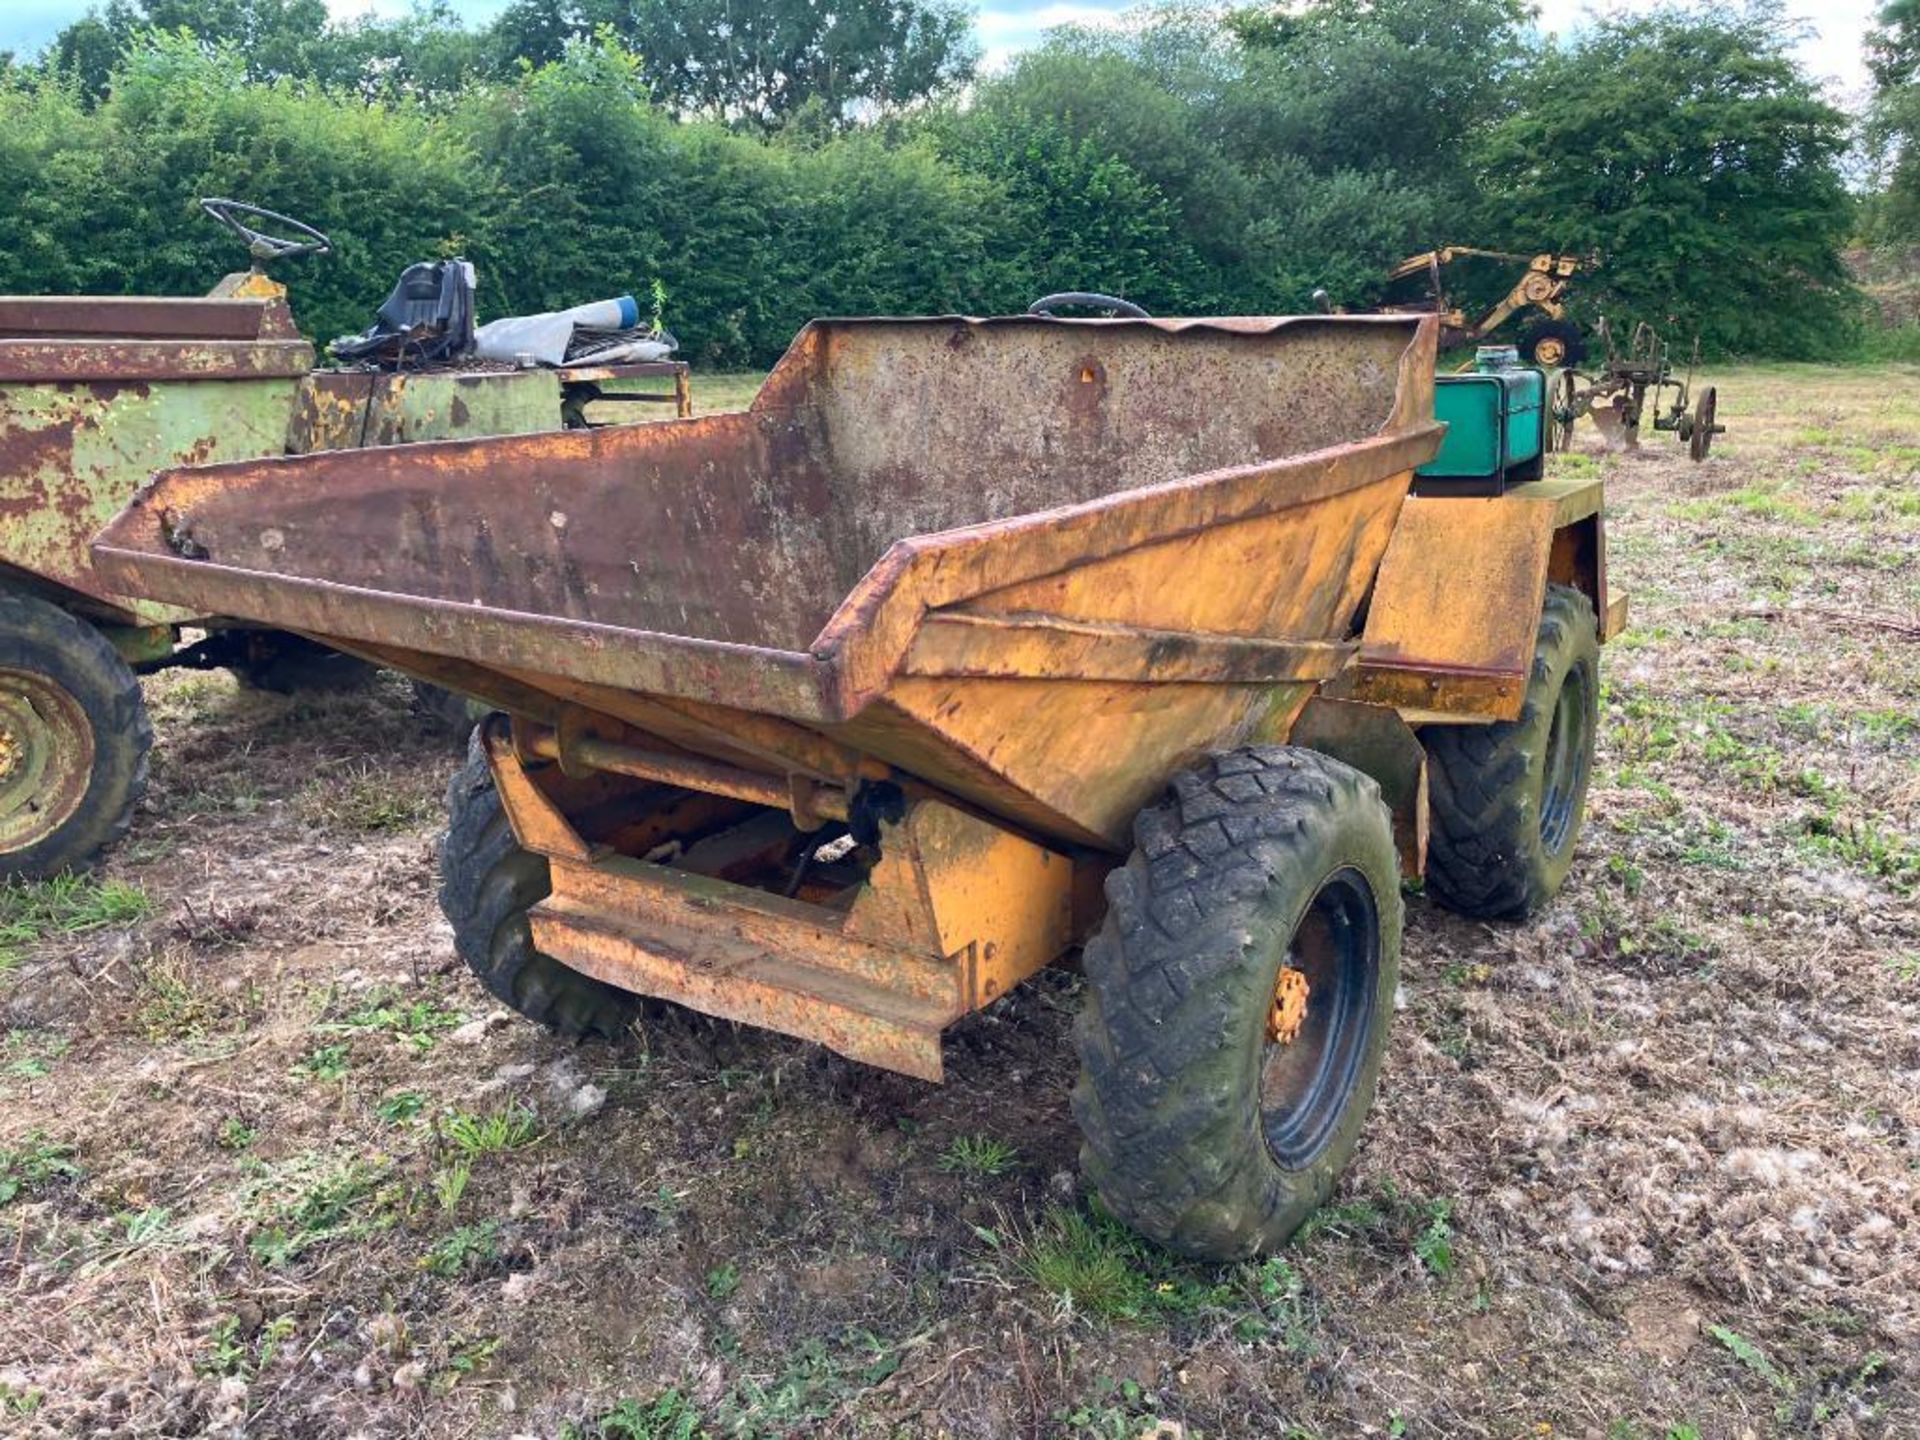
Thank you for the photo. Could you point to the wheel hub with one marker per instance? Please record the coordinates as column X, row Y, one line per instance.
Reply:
column 1550, row 352
column 46, row 757
column 1289, row 1012
column 1315, row 1052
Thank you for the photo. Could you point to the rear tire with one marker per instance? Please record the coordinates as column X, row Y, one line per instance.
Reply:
column 1267, row 877
column 487, row 886
column 74, row 740
column 1506, row 800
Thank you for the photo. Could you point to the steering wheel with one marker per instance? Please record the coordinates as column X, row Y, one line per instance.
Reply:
column 260, row 245
column 1087, row 300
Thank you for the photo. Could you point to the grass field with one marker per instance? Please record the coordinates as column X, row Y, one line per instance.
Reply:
column 1647, row 1168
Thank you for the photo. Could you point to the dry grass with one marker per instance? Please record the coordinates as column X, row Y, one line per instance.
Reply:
column 1644, row 1168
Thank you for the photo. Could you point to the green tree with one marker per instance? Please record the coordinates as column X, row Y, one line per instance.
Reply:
column 427, row 54
column 277, row 37
column 1696, row 156
column 756, row 65
column 1071, row 215
column 1893, row 130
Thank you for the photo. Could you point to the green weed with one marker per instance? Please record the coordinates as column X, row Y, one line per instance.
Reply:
column 34, row 910
column 1098, row 1267
column 669, row 1416
column 470, row 1247
column 368, row 801
column 466, row 1357
column 1390, row 1221
column 33, row 1163
column 232, row 1351
column 1433, row 1246
column 236, row 1134
column 472, row 1135
column 30, row 1055
column 401, row 1109
column 1863, row 844
column 1115, row 1411
column 177, row 1006
column 1751, row 1356
column 329, row 1062
column 417, row 1022
column 310, row 1201
column 978, row 1155
column 450, row 1183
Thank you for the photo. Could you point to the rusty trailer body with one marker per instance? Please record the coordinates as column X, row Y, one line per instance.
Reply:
column 832, row 716
column 96, row 394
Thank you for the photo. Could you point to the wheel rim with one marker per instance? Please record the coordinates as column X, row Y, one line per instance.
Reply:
column 1550, row 351
column 46, row 757
column 1316, row 1038
column 1702, row 438
column 1563, row 773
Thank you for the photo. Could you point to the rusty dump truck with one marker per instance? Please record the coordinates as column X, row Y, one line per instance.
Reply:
column 969, row 644
column 98, row 392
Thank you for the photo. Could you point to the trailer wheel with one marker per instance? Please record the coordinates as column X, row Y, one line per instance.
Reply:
column 1507, row 799
column 74, row 737
column 1553, row 344
column 487, row 885
column 285, row 664
column 445, row 710
column 1238, row 998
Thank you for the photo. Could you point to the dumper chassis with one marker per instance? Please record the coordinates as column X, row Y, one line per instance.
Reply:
column 1192, row 687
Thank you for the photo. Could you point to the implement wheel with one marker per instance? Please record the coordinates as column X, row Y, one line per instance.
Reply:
column 74, row 737
column 487, row 886
column 1238, row 998
column 1507, row 799
column 1553, row 344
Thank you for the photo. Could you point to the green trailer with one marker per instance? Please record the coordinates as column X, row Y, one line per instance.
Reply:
column 97, row 393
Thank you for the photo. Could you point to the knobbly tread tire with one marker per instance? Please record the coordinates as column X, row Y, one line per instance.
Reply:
column 38, row 636
column 1565, row 331
column 487, row 885
column 1180, row 980
column 1484, row 852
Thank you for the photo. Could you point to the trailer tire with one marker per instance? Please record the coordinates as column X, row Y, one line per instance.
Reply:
column 74, row 740
column 487, row 885
column 1201, row 1130
column 1506, row 800
column 445, row 711
column 283, row 663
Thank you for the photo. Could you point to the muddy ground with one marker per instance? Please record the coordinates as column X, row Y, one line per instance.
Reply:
column 272, row 1164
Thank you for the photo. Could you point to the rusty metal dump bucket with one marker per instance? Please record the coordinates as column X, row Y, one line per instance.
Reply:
column 914, row 515
column 967, row 591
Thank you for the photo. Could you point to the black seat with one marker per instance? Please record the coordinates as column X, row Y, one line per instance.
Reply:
column 427, row 319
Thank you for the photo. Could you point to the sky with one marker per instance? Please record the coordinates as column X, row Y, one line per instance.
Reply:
column 1831, row 49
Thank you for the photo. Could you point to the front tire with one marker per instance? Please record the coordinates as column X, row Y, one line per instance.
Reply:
column 1506, row 800
column 74, row 740
column 1239, row 993
column 488, row 883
